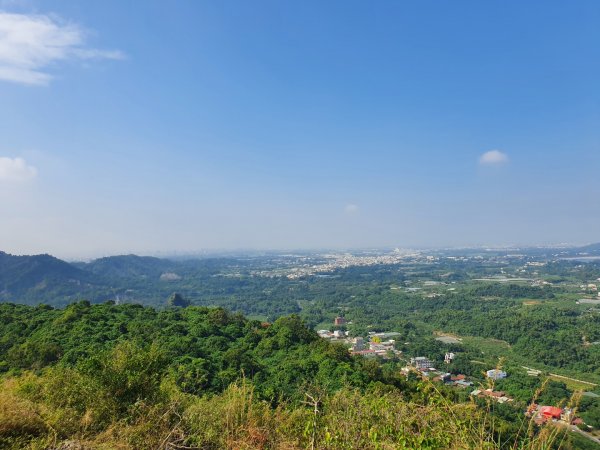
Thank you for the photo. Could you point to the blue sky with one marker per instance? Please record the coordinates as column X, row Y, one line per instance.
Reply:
column 160, row 126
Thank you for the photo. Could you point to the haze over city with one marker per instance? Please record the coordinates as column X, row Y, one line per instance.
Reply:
column 196, row 125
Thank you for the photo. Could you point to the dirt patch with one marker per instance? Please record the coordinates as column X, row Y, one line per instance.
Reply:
column 447, row 338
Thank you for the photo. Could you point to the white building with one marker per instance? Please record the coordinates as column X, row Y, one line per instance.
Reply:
column 421, row 363
column 496, row 374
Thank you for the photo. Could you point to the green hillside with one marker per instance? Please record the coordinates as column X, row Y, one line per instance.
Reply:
column 39, row 278
column 129, row 266
column 108, row 376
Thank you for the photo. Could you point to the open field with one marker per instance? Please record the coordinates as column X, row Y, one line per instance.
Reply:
column 573, row 383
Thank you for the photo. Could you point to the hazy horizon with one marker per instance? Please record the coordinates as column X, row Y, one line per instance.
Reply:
column 159, row 127
column 236, row 252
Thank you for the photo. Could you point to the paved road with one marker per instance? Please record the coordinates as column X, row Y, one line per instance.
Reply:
column 583, row 433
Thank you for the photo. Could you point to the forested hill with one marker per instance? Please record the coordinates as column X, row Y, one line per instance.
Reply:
column 206, row 348
column 131, row 377
column 45, row 279
column 18, row 271
column 129, row 266
column 23, row 277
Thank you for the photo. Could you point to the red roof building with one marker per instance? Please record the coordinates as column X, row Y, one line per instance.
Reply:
column 550, row 412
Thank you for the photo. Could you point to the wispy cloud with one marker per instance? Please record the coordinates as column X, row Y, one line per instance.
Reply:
column 31, row 44
column 351, row 208
column 16, row 170
column 493, row 157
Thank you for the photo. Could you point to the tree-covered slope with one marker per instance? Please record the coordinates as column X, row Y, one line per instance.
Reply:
column 206, row 348
column 129, row 266
column 125, row 376
column 36, row 278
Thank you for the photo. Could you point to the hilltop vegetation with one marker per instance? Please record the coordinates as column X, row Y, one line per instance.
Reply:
column 206, row 349
column 108, row 376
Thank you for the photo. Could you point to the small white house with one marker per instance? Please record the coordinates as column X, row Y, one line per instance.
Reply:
column 496, row 374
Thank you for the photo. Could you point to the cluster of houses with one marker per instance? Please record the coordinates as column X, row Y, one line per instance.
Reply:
column 382, row 345
column 426, row 368
column 498, row 396
column 448, row 379
column 378, row 344
column 337, row 335
column 375, row 345
column 590, row 288
column 423, row 363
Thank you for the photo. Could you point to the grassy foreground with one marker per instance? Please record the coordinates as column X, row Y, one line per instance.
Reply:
column 116, row 408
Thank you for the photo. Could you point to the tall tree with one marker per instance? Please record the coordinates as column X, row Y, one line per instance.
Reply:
column 177, row 299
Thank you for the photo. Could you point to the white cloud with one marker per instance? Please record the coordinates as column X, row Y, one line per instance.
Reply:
column 351, row 208
column 493, row 157
column 16, row 170
column 30, row 44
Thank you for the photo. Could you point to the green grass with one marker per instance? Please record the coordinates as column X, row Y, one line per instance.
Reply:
column 574, row 385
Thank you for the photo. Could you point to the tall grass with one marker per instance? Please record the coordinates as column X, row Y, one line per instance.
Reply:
column 126, row 401
column 36, row 413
